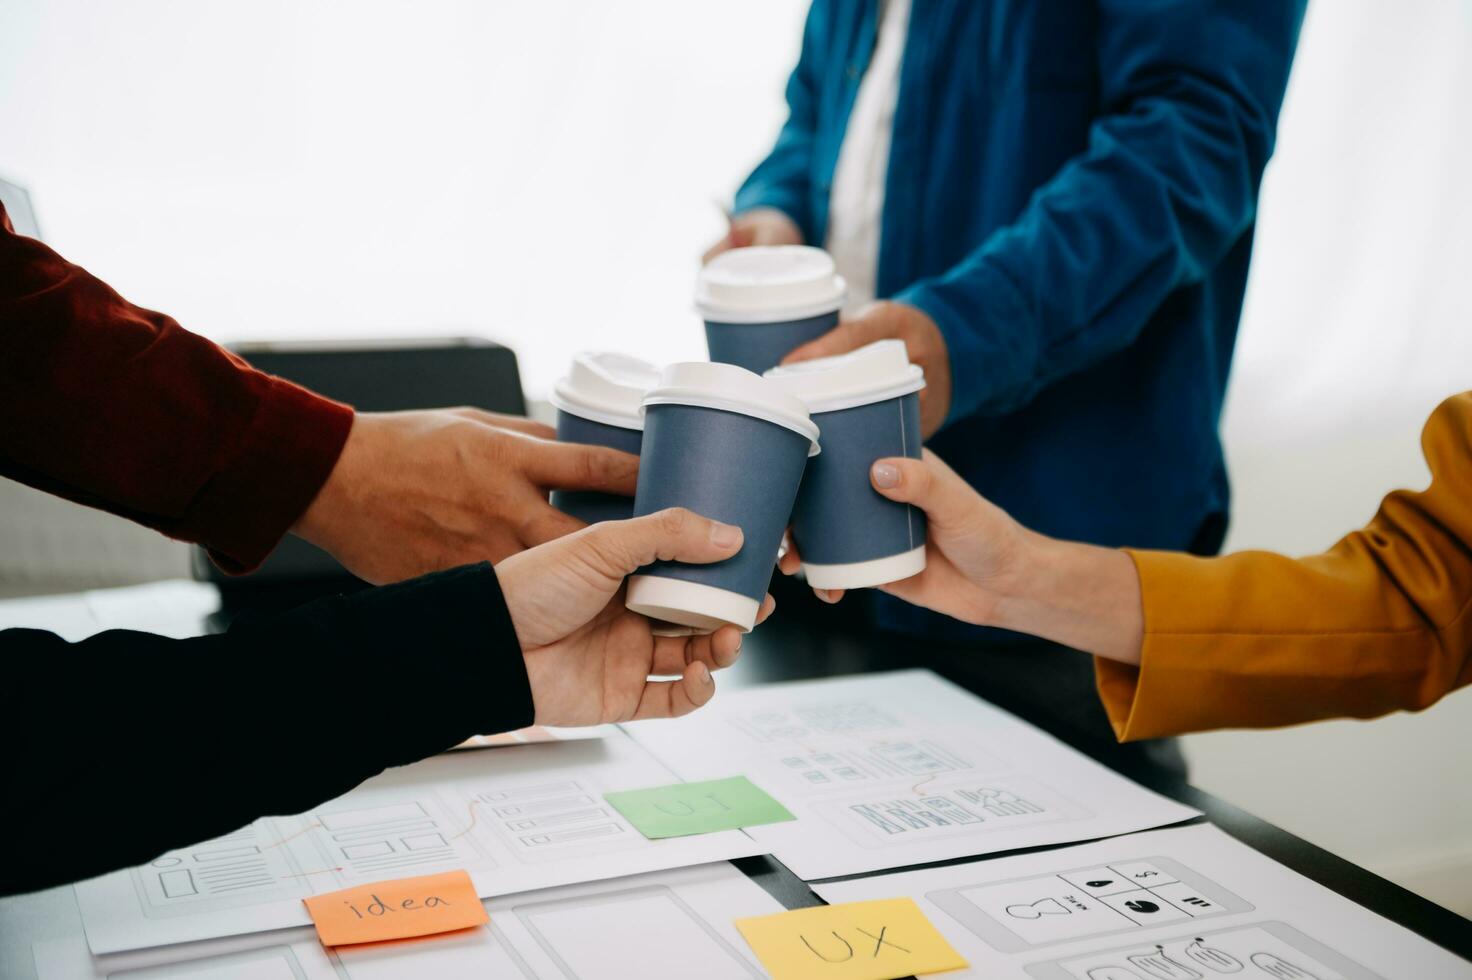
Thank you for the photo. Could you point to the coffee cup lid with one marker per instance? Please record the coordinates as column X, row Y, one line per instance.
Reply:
column 874, row 373
column 729, row 388
column 606, row 387
column 769, row 283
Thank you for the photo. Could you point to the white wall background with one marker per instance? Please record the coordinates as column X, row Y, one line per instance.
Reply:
column 1358, row 322
column 542, row 172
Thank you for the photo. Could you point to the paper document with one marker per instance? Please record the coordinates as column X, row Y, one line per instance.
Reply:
column 889, row 770
column 518, row 818
column 533, row 735
column 1189, row 903
column 668, row 925
column 176, row 609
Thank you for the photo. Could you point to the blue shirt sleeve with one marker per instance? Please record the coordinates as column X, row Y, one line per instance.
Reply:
column 782, row 179
column 1190, row 93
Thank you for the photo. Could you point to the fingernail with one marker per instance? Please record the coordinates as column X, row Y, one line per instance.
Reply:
column 725, row 535
column 703, row 672
column 822, row 594
column 886, row 475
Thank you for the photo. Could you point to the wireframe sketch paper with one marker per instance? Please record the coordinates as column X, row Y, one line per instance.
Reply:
column 517, row 818
column 533, row 735
column 651, row 925
column 889, row 770
column 174, row 608
column 1188, row 903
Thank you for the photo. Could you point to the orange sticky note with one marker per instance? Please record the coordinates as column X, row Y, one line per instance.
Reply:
column 397, row 909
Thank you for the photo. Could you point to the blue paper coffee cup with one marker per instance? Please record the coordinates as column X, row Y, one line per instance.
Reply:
column 598, row 403
column 867, row 405
column 729, row 445
column 762, row 302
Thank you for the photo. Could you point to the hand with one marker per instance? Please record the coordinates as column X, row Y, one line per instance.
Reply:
column 414, row 492
column 886, row 320
column 589, row 658
column 974, row 549
column 759, row 226
column 983, row 567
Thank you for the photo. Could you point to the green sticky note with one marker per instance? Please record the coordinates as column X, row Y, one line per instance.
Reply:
column 697, row 808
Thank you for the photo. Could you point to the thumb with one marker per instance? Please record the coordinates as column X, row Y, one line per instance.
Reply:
column 675, row 534
column 928, row 483
column 848, row 335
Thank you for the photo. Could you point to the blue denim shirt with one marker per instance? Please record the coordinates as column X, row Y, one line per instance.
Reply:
column 1071, row 194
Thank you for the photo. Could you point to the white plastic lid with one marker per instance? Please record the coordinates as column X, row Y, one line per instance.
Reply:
column 729, row 388
column 874, row 373
column 602, row 386
column 769, row 283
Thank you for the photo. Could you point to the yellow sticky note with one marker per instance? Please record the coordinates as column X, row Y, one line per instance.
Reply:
column 397, row 909
column 877, row 940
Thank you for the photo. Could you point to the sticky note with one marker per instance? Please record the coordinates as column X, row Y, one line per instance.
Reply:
column 854, row 941
column 397, row 909
column 697, row 808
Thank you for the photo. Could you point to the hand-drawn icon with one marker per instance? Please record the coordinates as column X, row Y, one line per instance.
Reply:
column 1160, row 966
column 1038, row 909
column 1276, row 966
column 1100, row 883
column 1005, row 803
column 1141, row 906
column 1218, row 960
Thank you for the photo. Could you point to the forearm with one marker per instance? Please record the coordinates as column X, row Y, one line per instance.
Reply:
column 120, row 408
column 273, row 718
column 1166, row 186
column 1079, row 595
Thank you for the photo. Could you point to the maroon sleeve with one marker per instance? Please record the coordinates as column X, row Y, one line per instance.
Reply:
column 120, row 408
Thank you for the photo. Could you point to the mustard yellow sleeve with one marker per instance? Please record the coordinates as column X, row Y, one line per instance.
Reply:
column 1253, row 640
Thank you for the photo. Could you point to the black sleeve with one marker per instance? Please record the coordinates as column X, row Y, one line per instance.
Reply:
column 128, row 744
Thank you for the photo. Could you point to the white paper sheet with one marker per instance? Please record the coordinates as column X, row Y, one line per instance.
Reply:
column 889, row 770
column 534, row 735
column 668, row 925
column 516, row 818
column 1188, row 903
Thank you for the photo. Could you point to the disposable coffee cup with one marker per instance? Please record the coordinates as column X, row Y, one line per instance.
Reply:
column 731, row 446
column 760, row 303
column 599, row 403
column 867, row 404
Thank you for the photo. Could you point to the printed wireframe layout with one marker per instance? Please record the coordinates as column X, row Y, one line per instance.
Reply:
column 1119, row 897
column 1261, row 951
